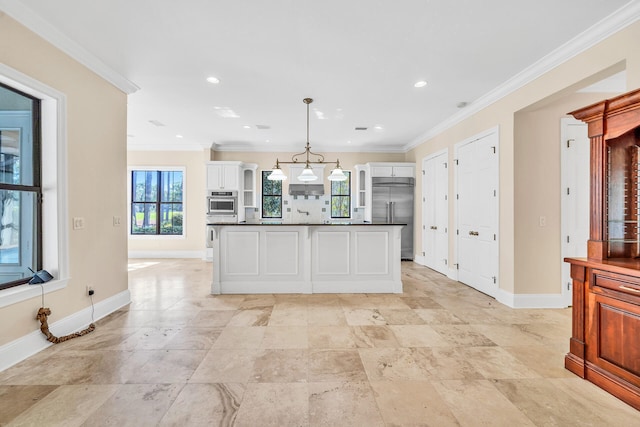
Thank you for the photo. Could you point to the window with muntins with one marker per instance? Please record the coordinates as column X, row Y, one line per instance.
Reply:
column 271, row 197
column 20, row 187
column 156, row 202
column 341, row 197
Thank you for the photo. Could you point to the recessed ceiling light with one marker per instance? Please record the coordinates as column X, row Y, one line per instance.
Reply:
column 213, row 80
column 179, row 136
column 246, row 127
column 421, row 83
column 348, row 142
column 378, row 127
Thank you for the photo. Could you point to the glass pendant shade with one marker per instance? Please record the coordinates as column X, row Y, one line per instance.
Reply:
column 337, row 175
column 276, row 174
column 307, row 174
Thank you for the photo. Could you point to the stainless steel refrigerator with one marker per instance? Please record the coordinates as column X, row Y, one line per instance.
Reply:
column 393, row 204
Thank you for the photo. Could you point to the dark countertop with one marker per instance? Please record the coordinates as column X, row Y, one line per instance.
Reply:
column 315, row 224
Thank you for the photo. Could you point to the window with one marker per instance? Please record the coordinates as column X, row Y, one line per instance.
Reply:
column 271, row 197
column 156, row 202
column 341, row 197
column 20, row 187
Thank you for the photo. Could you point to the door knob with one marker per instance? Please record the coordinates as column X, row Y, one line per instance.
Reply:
column 433, row 227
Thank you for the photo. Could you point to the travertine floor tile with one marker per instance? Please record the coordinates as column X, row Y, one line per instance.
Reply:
column 343, row 404
column 391, row 364
column 374, row 336
column 418, row 336
column 335, row 365
column 271, row 404
column 281, row 366
column 69, row 405
column 537, row 398
column 135, row 405
column 285, row 337
column 412, row 403
column 479, row 403
column 331, row 337
column 205, row 405
column 17, row 399
column 225, row 366
column 235, row 337
column 439, row 354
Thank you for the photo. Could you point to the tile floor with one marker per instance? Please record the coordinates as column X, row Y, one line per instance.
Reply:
column 440, row 354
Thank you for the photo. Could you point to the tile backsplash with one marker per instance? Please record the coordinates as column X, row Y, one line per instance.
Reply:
column 302, row 209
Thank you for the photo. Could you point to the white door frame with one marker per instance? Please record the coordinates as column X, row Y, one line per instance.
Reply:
column 566, row 181
column 495, row 130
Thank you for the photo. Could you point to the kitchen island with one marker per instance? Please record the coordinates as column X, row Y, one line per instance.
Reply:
column 305, row 258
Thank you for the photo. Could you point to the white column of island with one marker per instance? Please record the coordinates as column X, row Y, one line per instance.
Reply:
column 305, row 258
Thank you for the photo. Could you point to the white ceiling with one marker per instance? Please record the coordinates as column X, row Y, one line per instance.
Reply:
column 358, row 60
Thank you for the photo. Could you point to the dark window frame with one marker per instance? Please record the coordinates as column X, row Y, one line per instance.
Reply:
column 36, row 187
column 265, row 174
column 341, row 196
column 158, row 203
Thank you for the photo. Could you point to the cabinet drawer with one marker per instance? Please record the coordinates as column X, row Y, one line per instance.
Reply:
column 619, row 283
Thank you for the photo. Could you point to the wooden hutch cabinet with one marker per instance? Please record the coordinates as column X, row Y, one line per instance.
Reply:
column 605, row 341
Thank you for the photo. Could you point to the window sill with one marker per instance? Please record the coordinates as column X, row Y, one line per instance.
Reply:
column 24, row 292
column 157, row 236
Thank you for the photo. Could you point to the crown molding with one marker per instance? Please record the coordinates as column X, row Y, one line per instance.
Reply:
column 598, row 32
column 290, row 148
column 35, row 23
column 165, row 147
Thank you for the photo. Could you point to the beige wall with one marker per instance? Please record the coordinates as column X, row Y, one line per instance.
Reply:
column 538, row 193
column 194, row 204
column 96, row 145
column 619, row 50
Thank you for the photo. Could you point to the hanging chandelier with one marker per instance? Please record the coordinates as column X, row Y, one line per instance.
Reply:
column 307, row 174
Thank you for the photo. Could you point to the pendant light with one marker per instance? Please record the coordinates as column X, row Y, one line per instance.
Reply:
column 307, row 174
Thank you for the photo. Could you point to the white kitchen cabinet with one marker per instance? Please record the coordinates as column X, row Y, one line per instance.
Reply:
column 249, row 185
column 362, row 174
column 396, row 170
column 223, row 176
column 296, row 170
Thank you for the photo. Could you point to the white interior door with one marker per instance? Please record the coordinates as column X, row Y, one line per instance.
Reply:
column 575, row 149
column 477, row 212
column 436, row 211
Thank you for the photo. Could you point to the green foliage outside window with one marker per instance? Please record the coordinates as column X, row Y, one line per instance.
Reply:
column 271, row 197
column 341, row 197
column 156, row 192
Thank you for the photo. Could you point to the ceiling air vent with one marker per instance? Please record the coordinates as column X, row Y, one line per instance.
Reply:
column 263, row 126
column 156, row 123
column 361, row 128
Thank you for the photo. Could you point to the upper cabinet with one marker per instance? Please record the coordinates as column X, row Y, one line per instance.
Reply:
column 362, row 175
column 396, row 170
column 223, row 176
column 249, row 185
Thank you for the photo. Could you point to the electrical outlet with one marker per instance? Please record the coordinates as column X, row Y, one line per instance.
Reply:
column 90, row 290
column 116, row 221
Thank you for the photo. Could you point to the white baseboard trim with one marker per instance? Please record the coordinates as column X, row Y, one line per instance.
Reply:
column 34, row 342
column 452, row 274
column 167, row 254
column 419, row 259
column 530, row 300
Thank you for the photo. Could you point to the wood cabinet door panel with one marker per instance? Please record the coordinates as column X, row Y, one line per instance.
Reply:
column 614, row 331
